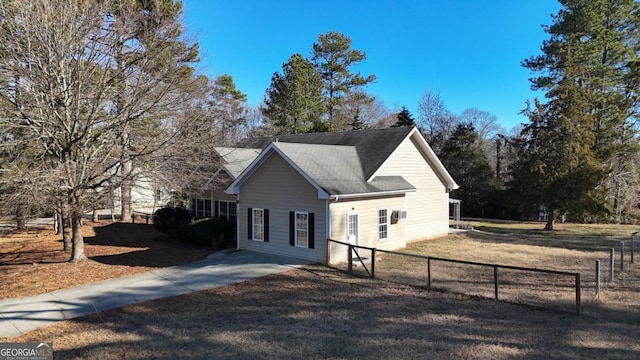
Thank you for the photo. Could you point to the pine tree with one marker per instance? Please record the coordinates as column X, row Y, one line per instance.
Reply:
column 333, row 57
column 293, row 101
column 405, row 118
column 462, row 155
column 603, row 36
column 559, row 166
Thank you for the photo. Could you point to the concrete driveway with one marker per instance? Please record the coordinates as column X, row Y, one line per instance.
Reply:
column 21, row 315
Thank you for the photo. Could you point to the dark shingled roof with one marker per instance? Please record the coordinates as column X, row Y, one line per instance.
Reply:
column 373, row 146
column 337, row 169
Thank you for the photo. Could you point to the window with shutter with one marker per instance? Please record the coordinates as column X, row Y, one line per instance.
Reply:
column 301, row 229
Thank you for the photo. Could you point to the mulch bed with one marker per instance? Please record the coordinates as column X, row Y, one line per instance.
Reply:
column 33, row 261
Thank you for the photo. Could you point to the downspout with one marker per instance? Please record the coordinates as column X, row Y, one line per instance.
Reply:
column 238, row 221
column 328, row 228
column 404, row 222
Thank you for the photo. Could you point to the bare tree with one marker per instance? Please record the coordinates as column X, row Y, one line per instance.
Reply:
column 434, row 119
column 65, row 76
column 485, row 123
column 488, row 129
column 433, row 114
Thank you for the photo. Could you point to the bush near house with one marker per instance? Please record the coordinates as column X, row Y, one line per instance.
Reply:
column 166, row 219
column 215, row 232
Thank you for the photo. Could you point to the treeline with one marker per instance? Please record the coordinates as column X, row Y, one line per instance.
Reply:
column 98, row 94
column 576, row 158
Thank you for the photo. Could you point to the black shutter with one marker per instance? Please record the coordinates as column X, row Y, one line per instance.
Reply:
column 292, row 228
column 216, row 213
column 266, row 225
column 312, row 231
column 250, row 223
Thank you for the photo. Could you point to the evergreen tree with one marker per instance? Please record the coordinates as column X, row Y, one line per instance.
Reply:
column 228, row 107
column 558, row 165
column 603, row 36
column 465, row 160
column 405, row 118
column 333, row 57
column 294, row 101
column 357, row 123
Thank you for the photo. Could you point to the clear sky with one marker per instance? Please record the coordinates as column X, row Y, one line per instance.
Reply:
column 467, row 50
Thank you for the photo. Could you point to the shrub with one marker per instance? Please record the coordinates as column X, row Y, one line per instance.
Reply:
column 207, row 232
column 166, row 219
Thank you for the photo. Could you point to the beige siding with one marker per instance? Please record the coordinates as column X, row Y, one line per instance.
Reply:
column 278, row 187
column 367, row 210
column 428, row 207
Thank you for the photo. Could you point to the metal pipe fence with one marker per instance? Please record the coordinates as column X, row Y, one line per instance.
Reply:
column 552, row 289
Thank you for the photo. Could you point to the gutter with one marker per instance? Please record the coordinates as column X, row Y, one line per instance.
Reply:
column 370, row 194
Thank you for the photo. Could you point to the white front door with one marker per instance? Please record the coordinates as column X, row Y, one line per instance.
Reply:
column 352, row 228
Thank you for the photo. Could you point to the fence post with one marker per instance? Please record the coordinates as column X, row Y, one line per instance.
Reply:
column 597, row 277
column 373, row 263
column 328, row 255
column 350, row 259
column 578, row 294
column 633, row 247
column 428, row 273
column 495, row 281
column 621, row 255
column 611, row 263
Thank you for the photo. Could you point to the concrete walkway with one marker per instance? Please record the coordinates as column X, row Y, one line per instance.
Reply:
column 21, row 315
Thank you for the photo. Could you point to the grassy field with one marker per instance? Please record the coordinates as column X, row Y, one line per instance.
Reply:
column 321, row 312
column 561, row 230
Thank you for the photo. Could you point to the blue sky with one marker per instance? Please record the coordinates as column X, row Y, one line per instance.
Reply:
column 467, row 50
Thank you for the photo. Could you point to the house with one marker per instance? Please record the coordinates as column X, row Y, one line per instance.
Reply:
column 211, row 200
column 379, row 187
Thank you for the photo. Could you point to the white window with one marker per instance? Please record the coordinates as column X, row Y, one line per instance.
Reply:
column 207, row 208
column 201, row 208
column 227, row 210
column 302, row 229
column 258, row 225
column 383, row 224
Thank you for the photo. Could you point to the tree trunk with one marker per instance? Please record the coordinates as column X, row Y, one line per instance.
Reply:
column 65, row 227
column 78, row 240
column 551, row 216
column 21, row 217
column 66, row 234
column 125, row 191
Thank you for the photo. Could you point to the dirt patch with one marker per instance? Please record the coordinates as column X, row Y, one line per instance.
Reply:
column 33, row 262
column 318, row 312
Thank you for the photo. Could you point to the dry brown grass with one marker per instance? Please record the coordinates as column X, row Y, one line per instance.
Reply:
column 32, row 261
column 319, row 312
column 523, row 287
column 561, row 230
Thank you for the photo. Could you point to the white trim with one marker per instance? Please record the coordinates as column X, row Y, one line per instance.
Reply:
column 238, row 222
column 234, row 188
column 440, row 170
column 328, row 219
column 253, row 224
column 228, row 203
column 360, row 195
column 295, row 229
column 357, row 214
column 386, row 224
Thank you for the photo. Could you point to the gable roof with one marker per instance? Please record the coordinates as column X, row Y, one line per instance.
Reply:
column 373, row 146
column 345, row 164
column 235, row 160
column 337, row 170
